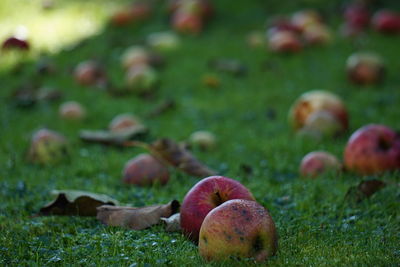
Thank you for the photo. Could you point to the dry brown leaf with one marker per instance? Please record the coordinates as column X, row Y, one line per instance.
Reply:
column 177, row 156
column 135, row 218
column 74, row 202
column 364, row 190
column 172, row 223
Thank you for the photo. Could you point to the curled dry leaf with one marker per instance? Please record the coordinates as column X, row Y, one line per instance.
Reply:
column 364, row 190
column 74, row 202
column 112, row 138
column 136, row 218
column 172, row 223
column 177, row 156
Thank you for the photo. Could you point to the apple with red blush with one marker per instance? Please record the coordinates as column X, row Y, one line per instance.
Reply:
column 365, row 68
column 239, row 228
column 386, row 21
column 373, row 149
column 317, row 163
column 204, row 196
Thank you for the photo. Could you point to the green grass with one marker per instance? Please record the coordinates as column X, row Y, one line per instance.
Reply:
column 316, row 226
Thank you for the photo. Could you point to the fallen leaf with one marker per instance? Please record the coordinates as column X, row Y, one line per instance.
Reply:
column 364, row 190
column 177, row 156
column 74, row 202
column 136, row 218
column 112, row 138
column 172, row 223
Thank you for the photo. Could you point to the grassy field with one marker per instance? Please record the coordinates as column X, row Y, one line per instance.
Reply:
column 316, row 226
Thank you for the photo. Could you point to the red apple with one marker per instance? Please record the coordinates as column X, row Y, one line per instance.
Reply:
column 185, row 22
column 240, row 228
column 89, row 73
column 279, row 23
column 138, row 11
column 386, row 21
column 314, row 101
column 144, row 170
column 284, row 41
column 47, row 147
column 202, row 7
column 357, row 16
column 365, row 68
column 72, row 110
column 15, row 43
column 318, row 162
column 205, row 196
column 122, row 122
column 373, row 149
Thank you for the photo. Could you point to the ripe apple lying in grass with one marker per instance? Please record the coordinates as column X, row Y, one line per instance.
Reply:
column 203, row 139
column 205, row 196
column 163, row 41
column 318, row 162
column 122, row 122
column 365, row 68
column 186, row 22
column 317, row 34
column 305, row 18
column 386, row 21
column 72, row 110
column 322, row 123
column 202, row 7
column 314, row 101
column 238, row 227
column 373, row 149
column 133, row 56
column 144, row 170
column 138, row 11
column 15, row 43
column 89, row 73
column 357, row 16
column 284, row 41
column 47, row 147
column 141, row 79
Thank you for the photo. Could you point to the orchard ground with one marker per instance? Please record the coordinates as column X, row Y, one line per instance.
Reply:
column 248, row 114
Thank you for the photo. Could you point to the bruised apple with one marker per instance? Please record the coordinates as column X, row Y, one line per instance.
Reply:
column 314, row 101
column 89, row 73
column 239, row 228
column 318, row 162
column 47, row 147
column 144, row 170
column 205, row 196
column 373, row 149
column 365, row 68
column 186, row 22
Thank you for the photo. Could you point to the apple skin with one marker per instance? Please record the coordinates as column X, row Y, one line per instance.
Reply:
column 373, row 149
column 318, row 162
column 323, row 122
column 72, row 110
column 141, row 79
column 203, row 7
column 89, row 73
column 122, row 122
column 204, row 196
column 305, row 18
column 133, row 56
column 357, row 16
column 386, row 21
column 317, row 34
column 284, row 41
column 188, row 23
column 15, row 43
column 240, row 228
column 47, row 147
column 317, row 100
column 138, row 11
column 365, row 68
column 145, row 170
